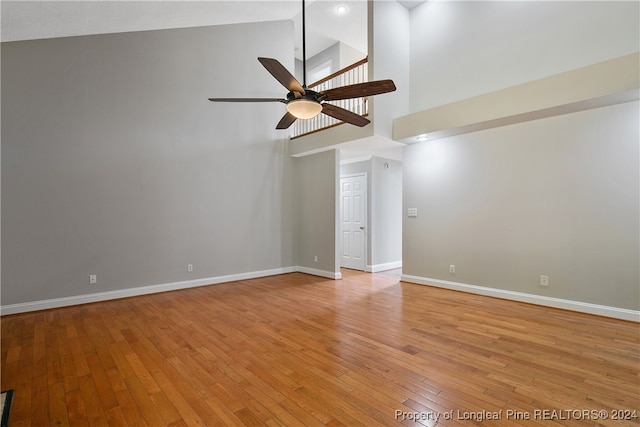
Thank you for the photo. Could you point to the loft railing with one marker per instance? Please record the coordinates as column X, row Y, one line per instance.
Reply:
column 354, row 73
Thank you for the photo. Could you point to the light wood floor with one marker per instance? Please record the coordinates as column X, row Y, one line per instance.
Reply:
column 301, row 350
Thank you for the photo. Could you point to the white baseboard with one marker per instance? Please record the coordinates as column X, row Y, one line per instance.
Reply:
column 321, row 273
column 583, row 307
column 383, row 267
column 141, row 290
column 614, row 312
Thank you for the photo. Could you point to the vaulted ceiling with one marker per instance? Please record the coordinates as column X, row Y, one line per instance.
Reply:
column 26, row 20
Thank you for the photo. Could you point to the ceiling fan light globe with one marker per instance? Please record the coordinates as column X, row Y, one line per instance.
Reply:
column 304, row 108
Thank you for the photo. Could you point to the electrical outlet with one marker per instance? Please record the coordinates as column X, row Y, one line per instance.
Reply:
column 544, row 280
column 315, row 258
column 189, row 268
column 93, row 279
column 452, row 269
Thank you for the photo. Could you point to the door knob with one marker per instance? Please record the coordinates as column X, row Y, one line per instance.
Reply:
column 361, row 228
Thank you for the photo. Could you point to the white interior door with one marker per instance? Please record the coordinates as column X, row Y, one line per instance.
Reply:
column 353, row 213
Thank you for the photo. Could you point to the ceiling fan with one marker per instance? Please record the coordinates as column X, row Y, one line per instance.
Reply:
column 304, row 103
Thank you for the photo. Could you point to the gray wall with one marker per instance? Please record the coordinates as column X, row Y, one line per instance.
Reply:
column 386, row 212
column 316, row 205
column 114, row 163
column 389, row 50
column 556, row 197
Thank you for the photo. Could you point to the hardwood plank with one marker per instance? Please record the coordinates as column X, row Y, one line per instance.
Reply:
column 93, row 406
column 75, row 408
column 129, row 410
column 226, row 414
column 39, row 406
column 188, row 412
column 57, row 405
column 296, row 349
column 143, row 401
column 102, row 384
column 13, row 354
column 115, row 417
column 142, row 374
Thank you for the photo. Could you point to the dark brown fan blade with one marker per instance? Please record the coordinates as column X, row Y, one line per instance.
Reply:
column 286, row 121
column 358, row 90
column 344, row 115
column 247, row 100
column 281, row 74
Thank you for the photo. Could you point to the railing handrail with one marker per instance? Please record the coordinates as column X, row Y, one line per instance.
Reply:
column 351, row 74
column 340, row 72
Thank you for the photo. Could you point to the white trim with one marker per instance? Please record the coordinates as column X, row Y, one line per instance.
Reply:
column 614, row 312
column 136, row 291
column 321, row 273
column 383, row 267
column 153, row 289
column 583, row 307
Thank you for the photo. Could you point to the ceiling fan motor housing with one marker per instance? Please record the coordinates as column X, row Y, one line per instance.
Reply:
column 308, row 94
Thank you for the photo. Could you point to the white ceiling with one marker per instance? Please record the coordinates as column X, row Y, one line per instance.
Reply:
column 28, row 20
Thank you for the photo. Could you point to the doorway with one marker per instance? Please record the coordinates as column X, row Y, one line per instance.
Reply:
column 380, row 243
column 353, row 221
